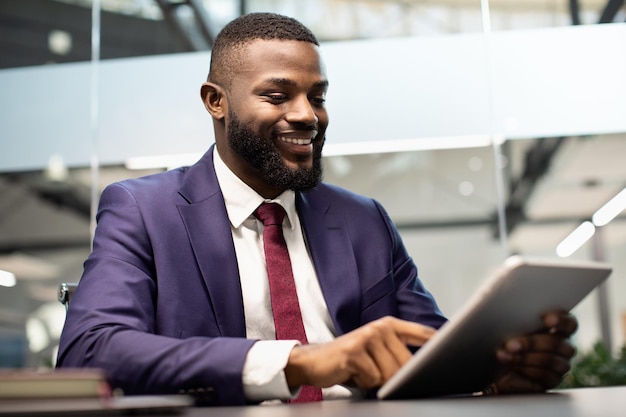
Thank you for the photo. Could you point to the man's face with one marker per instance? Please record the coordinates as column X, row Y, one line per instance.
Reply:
column 277, row 119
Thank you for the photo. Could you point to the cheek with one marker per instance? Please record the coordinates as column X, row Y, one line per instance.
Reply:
column 326, row 121
column 322, row 116
column 322, row 121
column 260, row 118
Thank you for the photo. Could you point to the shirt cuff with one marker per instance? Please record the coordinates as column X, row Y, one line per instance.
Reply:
column 264, row 371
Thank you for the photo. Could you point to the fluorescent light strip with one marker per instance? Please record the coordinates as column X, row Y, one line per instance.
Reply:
column 401, row 145
column 576, row 239
column 7, row 279
column 610, row 210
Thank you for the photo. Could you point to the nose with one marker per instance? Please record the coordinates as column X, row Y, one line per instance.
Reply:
column 301, row 111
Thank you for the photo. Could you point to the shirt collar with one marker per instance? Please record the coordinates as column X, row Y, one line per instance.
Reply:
column 241, row 200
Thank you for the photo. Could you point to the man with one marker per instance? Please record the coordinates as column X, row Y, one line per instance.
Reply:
column 175, row 295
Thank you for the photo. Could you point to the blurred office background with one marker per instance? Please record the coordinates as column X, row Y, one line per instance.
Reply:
column 486, row 128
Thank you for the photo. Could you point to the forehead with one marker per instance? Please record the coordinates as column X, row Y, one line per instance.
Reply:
column 283, row 59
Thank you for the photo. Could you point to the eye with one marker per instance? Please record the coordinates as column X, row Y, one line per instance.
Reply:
column 277, row 97
column 318, row 101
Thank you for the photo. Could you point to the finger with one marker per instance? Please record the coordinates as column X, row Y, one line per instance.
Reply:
column 543, row 377
column 393, row 333
column 399, row 350
column 410, row 333
column 545, row 361
column 380, row 342
column 540, row 342
column 515, row 383
column 543, row 368
column 359, row 350
column 374, row 352
column 384, row 359
column 560, row 323
column 388, row 351
column 365, row 372
column 538, row 370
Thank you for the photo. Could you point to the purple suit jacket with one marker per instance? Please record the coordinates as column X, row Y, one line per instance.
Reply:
column 159, row 305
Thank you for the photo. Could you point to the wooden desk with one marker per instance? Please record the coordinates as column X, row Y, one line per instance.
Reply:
column 587, row 402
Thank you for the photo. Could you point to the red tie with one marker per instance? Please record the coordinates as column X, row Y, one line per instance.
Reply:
column 285, row 306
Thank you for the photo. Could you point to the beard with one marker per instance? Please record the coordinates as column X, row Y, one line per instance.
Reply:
column 263, row 156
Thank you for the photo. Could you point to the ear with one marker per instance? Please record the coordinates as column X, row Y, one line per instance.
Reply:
column 214, row 99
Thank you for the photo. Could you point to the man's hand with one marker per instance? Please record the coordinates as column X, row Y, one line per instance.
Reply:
column 366, row 357
column 537, row 362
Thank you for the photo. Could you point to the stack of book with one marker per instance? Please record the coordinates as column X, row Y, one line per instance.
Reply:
column 48, row 384
column 74, row 393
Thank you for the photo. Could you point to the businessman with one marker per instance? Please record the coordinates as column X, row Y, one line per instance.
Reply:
column 246, row 277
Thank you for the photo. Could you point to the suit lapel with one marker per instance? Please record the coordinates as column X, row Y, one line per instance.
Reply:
column 207, row 225
column 208, row 228
column 333, row 258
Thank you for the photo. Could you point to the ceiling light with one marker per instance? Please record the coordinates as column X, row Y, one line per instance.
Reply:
column 576, row 239
column 56, row 169
column 60, row 42
column 475, row 163
column 7, row 279
column 466, row 188
column 610, row 210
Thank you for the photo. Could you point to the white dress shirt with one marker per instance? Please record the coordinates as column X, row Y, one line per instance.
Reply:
column 263, row 373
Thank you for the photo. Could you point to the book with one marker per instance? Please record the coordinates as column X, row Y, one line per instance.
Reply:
column 53, row 383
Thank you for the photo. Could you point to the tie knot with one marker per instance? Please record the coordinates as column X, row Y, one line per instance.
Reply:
column 270, row 214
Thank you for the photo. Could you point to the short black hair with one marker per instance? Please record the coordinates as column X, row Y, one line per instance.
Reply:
column 247, row 28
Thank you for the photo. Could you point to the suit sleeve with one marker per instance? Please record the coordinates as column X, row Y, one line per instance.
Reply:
column 111, row 322
column 414, row 302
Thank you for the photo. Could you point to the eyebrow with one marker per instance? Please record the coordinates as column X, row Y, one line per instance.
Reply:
column 291, row 83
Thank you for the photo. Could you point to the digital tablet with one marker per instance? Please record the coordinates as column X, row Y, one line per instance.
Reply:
column 460, row 357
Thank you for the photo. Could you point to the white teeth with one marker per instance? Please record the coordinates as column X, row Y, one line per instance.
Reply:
column 297, row 141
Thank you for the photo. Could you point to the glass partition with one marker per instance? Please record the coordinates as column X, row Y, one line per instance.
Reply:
column 448, row 127
column 445, row 205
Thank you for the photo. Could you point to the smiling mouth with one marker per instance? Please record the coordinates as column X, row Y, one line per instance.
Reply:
column 296, row 141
